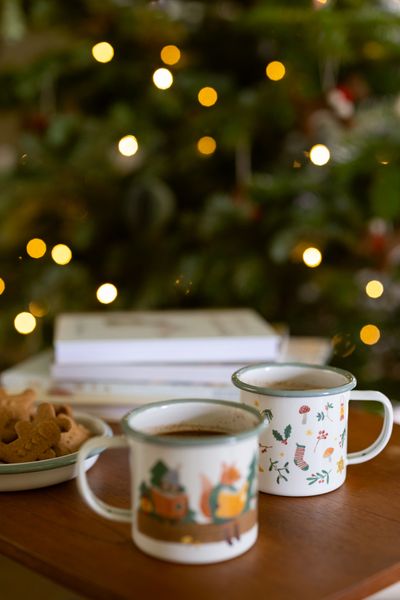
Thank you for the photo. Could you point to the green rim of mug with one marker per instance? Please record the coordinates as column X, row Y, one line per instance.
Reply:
column 350, row 384
column 227, row 438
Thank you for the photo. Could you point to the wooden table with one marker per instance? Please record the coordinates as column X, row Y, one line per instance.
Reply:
column 339, row 546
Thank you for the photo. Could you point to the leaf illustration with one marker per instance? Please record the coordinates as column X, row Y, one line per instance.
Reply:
column 288, row 431
column 320, row 416
column 267, row 414
column 277, row 435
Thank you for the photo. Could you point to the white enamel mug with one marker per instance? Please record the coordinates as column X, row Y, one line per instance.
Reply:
column 303, row 452
column 194, row 497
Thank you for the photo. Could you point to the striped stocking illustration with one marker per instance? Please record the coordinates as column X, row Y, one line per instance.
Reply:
column 299, row 458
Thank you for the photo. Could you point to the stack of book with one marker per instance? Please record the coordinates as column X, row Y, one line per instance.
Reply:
column 122, row 359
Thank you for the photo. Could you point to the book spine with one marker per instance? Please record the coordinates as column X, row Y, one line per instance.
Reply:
column 103, row 391
column 156, row 374
column 243, row 349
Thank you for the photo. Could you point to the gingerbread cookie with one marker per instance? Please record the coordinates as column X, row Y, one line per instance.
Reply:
column 14, row 408
column 36, row 439
column 72, row 435
column 50, row 432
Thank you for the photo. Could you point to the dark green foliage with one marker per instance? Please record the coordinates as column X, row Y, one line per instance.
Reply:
column 172, row 228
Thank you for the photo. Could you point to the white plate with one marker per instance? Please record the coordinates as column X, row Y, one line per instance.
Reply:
column 41, row 473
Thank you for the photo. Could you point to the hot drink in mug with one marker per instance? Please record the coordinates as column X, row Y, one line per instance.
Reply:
column 303, row 451
column 193, row 478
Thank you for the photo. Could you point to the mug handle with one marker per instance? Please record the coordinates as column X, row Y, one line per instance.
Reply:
column 102, row 508
column 378, row 445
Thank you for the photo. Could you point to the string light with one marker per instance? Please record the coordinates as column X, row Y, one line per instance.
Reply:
column 103, row 52
column 163, row 79
column 373, row 50
column 312, row 257
column 38, row 309
column 374, row 288
column 320, row 4
column 128, row 145
column 24, row 323
column 370, row 334
column 61, row 254
column 207, row 96
column 170, row 55
column 275, row 70
column 319, row 155
column 2, row 285
column 106, row 293
column 206, row 145
column 36, row 248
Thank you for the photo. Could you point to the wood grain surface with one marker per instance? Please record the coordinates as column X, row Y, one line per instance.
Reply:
column 338, row 546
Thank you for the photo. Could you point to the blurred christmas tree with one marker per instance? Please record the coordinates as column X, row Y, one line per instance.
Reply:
column 204, row 153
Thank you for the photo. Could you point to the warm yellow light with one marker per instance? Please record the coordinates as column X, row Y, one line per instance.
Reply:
column 170, row 55
column 38, row 309
column 312, row 257
column 206, row 145
column 319, row 155
column 207, row 96
column 163, row 79
column 103, row 52
column 275, row 70
column 374, row 288
column 128, row 145
column 24, row 323
column 370, row 334
column 2, row 285
column 36, row 248
column 374, row 50
column 61, row 254
column 106, row 293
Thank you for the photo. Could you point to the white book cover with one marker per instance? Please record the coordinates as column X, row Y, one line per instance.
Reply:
column 223, row 335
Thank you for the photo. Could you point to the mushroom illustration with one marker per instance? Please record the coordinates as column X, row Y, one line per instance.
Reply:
column 328, row 454
column 303, row 410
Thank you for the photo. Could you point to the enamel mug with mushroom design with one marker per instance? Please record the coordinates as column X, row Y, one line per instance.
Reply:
column 303, row 451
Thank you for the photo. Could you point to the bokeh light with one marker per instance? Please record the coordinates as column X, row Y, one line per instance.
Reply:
column 38, row 309
column 275, row 70
column 374, row 50
column 207, row 96
column 183, row 285
column 2, row 285
column 24, row 323
column 343, row 344
column 206, row 145
column 163, row 79
column 106, row 293
column 103, row 52
column 128, row 145
column 374, row 288
column 319, row 155
column 170, row 55
column 36, row 248
column 61, row 254
column 312, row 257
column 370, row 334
